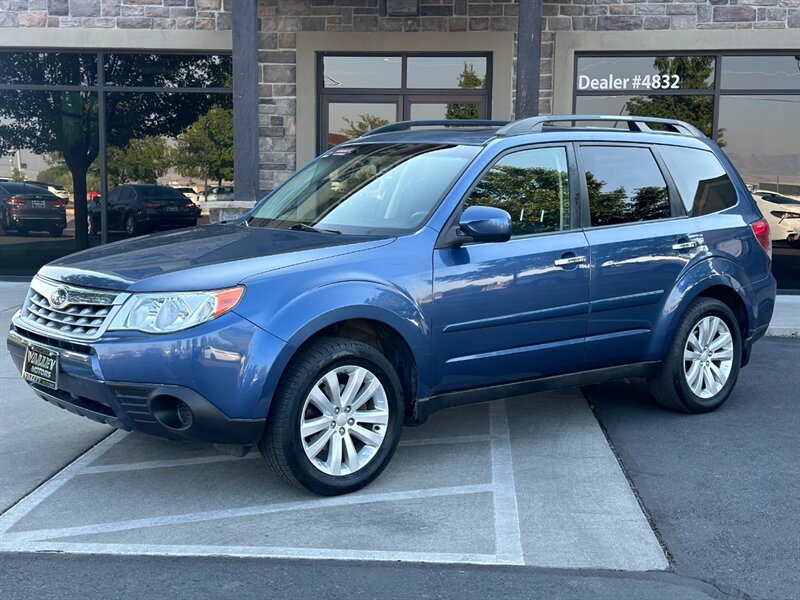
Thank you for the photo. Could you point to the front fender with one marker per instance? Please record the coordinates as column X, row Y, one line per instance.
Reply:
column 336, row 302
column 713, row 271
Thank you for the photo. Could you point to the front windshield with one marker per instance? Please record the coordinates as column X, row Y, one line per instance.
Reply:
column 366, row 189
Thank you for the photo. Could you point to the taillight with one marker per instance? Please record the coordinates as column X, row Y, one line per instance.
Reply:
column 149, row 205
column 761, row 231
column 58, row 203
column 189, row 205
column 14, row 201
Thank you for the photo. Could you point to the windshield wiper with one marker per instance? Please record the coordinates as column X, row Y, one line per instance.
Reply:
column 304, row 227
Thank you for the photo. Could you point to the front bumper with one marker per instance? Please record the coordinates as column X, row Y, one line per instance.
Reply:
column 115, row 382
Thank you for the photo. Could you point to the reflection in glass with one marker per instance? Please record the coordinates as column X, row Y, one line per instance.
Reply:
column 760, row 72
column 51, row 137
column 441, row 111
column 365, row 189
column 169, row 70
column 349, row 120
column 625, row 185
column 369, row 72
column 532, row 186
column 766, row 149
column 47, row 68
column 642, row 73
column 701, row 180
column 446, row 72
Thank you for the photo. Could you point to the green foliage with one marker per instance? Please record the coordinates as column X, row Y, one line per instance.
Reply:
column 205, row 148
column 537, row 199
column 17, row 175
column 365, row 123
column 467, row 80
column 695, row 72
column 143, row 160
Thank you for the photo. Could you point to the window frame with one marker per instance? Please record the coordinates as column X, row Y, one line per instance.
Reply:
column 404, row 96
column 575, row 203
column 677, row 210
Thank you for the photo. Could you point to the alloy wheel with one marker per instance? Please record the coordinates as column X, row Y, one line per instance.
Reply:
column 344, row 420
column 708, row 356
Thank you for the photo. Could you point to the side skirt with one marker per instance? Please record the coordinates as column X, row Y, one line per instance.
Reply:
column 425, row 407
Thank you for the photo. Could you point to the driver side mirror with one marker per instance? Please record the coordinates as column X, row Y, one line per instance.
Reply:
column 485, row 224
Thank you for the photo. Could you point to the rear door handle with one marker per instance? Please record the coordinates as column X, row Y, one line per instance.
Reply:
column 686, row 245
column 572, row 260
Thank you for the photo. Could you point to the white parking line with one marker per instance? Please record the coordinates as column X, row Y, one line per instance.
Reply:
column 247, row 511
column 508, row 538
column 163, row 464
column 9, row 518
column 253, row 552
column 457, row 439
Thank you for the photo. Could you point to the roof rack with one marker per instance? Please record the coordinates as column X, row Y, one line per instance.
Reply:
column 640, row 124
column 407, row 125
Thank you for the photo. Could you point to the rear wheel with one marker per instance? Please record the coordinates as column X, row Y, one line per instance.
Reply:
column 131, row 227
column 703, row 362
column 94, row 226
column 336, row 418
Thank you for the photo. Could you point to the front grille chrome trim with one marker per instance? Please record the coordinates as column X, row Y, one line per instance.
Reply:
column 84, row 315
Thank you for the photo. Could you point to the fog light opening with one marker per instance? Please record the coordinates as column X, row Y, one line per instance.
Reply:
column 172, row 412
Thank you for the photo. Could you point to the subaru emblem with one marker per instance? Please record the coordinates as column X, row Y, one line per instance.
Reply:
column 59, row 298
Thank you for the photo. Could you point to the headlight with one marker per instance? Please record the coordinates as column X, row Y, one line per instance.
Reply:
column 168, row 312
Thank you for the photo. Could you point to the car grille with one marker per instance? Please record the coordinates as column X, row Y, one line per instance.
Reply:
column 68, row 311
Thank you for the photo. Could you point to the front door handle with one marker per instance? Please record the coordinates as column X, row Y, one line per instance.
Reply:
column 686, row 245
column 572, row 260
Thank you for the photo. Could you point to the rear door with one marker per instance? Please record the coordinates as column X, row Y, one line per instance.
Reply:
column 515, row 310
column 640, row 241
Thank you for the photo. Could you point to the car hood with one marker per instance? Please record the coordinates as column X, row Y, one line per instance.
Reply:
column 207, row 257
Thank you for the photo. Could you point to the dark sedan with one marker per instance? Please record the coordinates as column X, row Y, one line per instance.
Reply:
column 25, row 207
column 142, row 208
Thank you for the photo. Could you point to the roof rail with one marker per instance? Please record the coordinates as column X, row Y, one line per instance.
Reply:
column 537, row 124
column 407, row 125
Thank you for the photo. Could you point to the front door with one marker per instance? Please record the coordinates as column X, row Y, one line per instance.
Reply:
column 515, row 310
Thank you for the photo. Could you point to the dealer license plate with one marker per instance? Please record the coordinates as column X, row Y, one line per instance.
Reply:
column 172, row 209
column 41, row 366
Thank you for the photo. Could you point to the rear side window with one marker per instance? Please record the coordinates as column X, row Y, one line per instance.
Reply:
column 624, row 185
column 532, row 186
column 703, row 184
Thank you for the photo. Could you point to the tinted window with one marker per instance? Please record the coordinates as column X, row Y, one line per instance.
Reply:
column 625, row 185
column 703, row 184
column 532, row 186
column 158, row 191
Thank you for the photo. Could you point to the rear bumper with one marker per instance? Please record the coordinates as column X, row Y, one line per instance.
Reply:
column 36, row 222
column 761, row 300
column 163, row 408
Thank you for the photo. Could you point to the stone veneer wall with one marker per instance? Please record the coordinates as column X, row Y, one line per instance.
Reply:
column 280, row 20
column 121, row 14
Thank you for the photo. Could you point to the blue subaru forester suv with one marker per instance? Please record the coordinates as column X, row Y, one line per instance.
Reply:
column 411, row 270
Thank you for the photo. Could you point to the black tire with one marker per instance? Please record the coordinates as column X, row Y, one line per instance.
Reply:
column 57, row 232
column 131, row 226
column 94, row 226
column 669, row 386
column 281, row 445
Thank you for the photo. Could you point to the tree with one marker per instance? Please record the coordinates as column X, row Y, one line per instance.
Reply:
column 143, row 160
column 468, row 79
column 17, row 175
column 365, row 123
column 66, row 122
column 205, row 148
column 696, row 73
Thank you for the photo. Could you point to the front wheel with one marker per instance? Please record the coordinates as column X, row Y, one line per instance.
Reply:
column 131, row 227
column 702, row 364
column 336, row 418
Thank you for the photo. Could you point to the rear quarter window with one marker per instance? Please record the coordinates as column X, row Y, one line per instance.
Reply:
column 702, row 181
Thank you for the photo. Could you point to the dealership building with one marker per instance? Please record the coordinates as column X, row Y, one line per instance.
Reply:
column 302, row 75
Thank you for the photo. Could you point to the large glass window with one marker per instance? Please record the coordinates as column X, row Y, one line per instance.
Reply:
column 175, row 128
column 748, row 102
column 532, row 186
column 624, row 184
column 359, row 93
